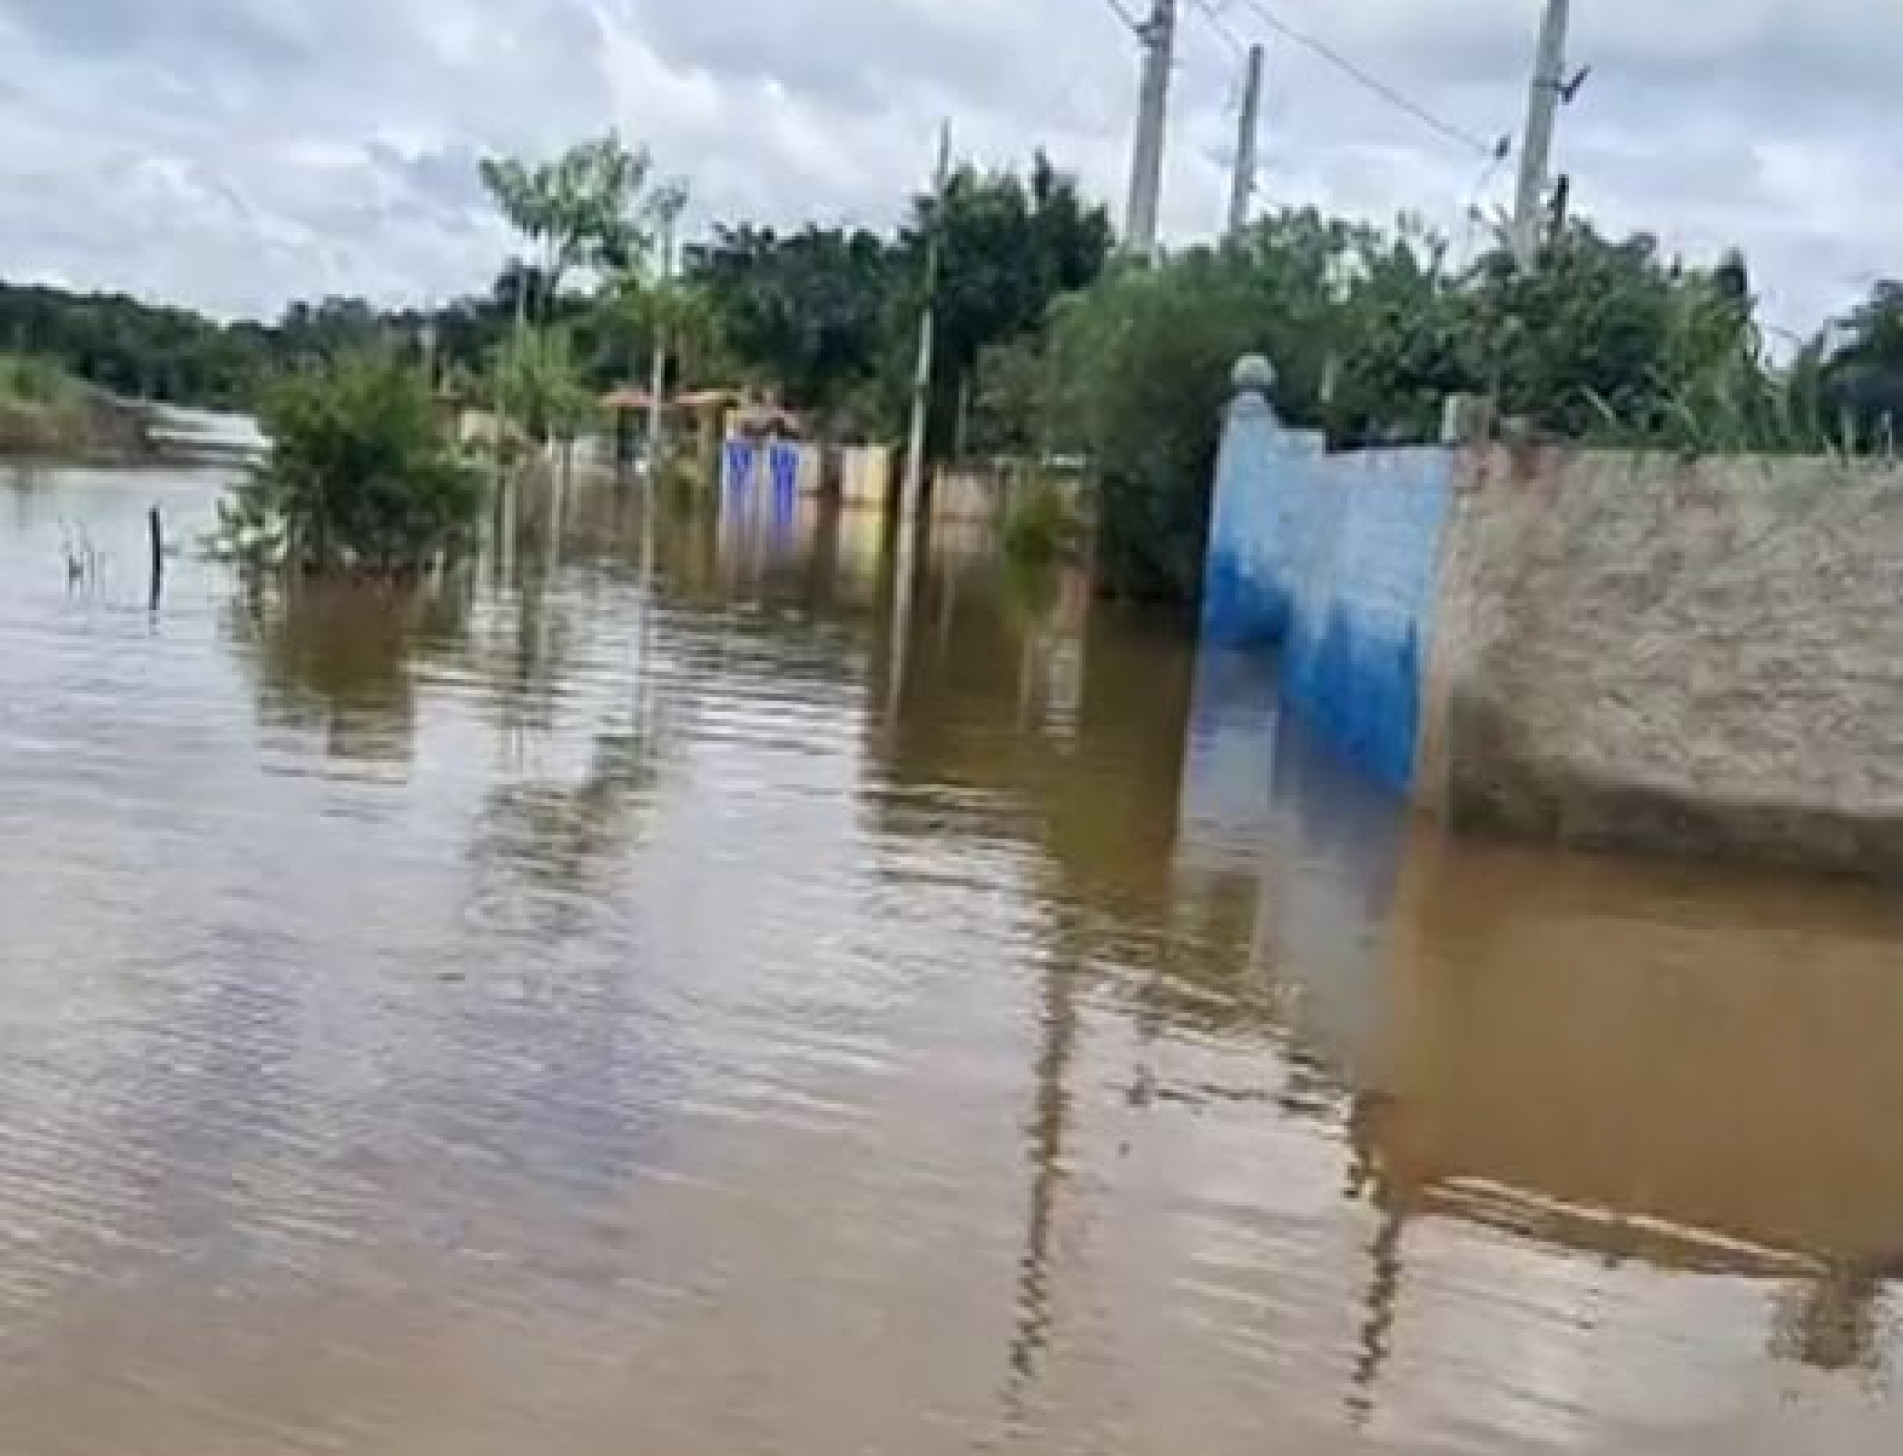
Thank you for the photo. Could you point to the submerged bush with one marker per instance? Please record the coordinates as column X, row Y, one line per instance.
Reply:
column 361, row 477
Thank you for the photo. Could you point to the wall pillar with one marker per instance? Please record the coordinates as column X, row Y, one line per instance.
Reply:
column 1243, row 599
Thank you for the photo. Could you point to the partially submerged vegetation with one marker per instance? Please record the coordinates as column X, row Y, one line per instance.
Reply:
column 361, row 478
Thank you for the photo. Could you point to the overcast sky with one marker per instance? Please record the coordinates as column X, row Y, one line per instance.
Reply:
column 236, row 153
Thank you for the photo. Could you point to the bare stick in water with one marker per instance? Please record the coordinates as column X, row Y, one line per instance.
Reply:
column 157, row 525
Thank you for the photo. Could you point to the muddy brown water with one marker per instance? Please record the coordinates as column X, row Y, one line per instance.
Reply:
column 773, row 1012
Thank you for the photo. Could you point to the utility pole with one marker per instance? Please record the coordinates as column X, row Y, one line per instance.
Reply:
column 501, row 417
column 914, row 486
column 1158, row 35
column 1242, row 190
column 912, row 490
column 657, row 372
column 1536, row 150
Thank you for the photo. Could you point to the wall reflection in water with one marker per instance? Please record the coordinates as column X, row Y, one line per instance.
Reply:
column 1659, row 1068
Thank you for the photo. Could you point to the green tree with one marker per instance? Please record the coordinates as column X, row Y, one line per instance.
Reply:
column 804, row 313
column 1393, row 331
column 1860, row 379
column 1370, row 332
column 679, row 312
column 135, row 349
column 313, row 333
column 1137, row 377
column 592, row 207
column 1009, row 415
column 1008, row 249
column 830, row 316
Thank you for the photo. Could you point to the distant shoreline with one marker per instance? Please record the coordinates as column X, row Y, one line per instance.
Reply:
column 81, row 427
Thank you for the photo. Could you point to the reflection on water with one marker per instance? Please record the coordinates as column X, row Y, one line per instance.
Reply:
column 810, row 1006
column 336, row 666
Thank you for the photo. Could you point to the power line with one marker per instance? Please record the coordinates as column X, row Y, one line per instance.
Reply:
column 1209, row 12
column 1473, row 220
column 1124, row 14
column 1371, row 82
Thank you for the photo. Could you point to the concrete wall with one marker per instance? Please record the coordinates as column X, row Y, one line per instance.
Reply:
column 1334, row 557
column 865, row 476
column 1703, row 659
column 967, row 495
column 1364, row 601
column 1254, row 527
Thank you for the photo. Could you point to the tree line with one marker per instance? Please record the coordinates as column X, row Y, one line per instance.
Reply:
column 825, row 318
column 1049, row 345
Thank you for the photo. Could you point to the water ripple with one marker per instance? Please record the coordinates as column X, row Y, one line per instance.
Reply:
column 564, row 1008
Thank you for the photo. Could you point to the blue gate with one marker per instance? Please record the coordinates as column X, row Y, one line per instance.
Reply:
column 739, row 467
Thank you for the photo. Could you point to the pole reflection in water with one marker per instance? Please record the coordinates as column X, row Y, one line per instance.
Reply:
column 704, row 983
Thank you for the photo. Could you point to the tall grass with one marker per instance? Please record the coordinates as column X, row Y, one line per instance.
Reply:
column 28, row 379
column 43, row 410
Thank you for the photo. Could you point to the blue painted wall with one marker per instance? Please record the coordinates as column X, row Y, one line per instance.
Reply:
column 1334, row 557
column 1253, row 528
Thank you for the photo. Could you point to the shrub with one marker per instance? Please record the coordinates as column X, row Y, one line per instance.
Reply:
column 1139, row 376
column 360, row 477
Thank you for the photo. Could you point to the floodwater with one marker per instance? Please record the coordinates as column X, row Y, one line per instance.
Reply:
column 779, row 1012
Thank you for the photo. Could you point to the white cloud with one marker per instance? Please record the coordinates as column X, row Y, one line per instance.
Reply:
column 237, row 153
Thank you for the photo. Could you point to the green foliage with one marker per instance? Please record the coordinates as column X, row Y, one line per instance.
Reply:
column 590, row 208
column 359, row 478
column 1370, row 332
column 46, row 412
column 42, row 412
column 138, row 351
column 540, row 387
column 1008, row 249
column 829, row 317
column 1008, row 408
column 29, row 379
column 1137, row 371
column 1391, row 330
column 1859, row 383
column 1137, row 377
column 1613, row 341
column 804, row 313
column 634, row 313
column 134, row 349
